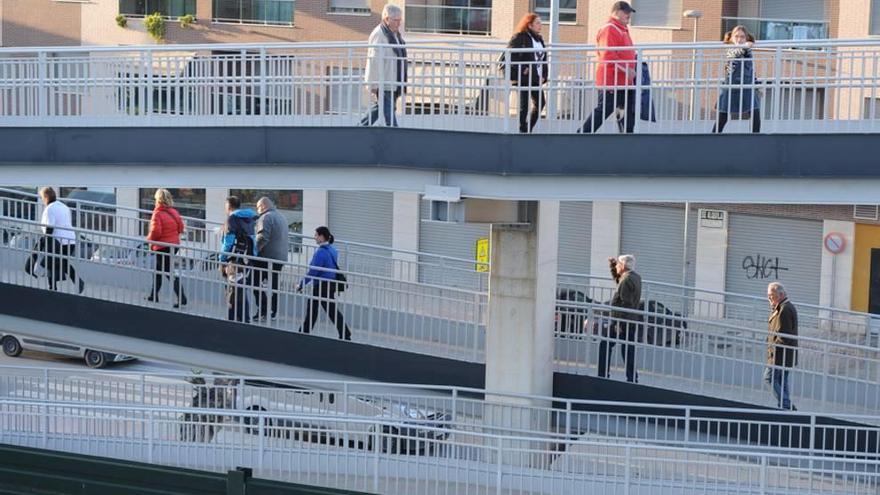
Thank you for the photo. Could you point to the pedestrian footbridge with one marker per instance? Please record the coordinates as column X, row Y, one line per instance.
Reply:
column 710, row 353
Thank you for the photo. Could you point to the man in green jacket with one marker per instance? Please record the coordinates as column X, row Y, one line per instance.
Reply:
column 782, row 344
column 627, row 296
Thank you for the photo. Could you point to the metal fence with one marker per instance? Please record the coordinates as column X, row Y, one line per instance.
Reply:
column 459, row 409
column 379, row 310
column 804, row 86
column 377, row 455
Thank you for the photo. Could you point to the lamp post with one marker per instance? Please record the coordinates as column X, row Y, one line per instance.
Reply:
column 695, row 15
column 551, row 75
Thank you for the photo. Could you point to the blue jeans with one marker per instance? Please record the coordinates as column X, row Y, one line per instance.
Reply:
column 779, row 380
column 389, row 101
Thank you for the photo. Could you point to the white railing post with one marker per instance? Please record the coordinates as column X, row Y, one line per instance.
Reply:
column 147, row 102
column 508, row 87
column 777, row 85
column 499, row 474
column 627, row 474
column 46, row 384
column 149, row 427
column 763, row 475
column 638, row 97
column 42, row 90
column 262, row 443
column 454, row 405
column 143, row 387
column 376, row 449
column 264, row 96
column 687, row 425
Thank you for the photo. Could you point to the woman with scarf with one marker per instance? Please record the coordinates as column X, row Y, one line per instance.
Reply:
column 386, row 66
column 528, row 69
column 739, row 96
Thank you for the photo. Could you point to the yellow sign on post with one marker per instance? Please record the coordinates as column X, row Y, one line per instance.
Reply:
column 482, row 257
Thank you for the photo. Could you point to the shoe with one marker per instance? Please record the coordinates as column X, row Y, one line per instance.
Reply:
column 260, row 319
column 179, row 304
column 82, row 286
column 151, row 298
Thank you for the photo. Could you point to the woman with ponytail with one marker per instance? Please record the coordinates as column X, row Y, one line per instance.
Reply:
column 322, row 277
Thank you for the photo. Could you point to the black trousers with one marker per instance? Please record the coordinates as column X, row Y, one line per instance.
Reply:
column 58, row 266
column 624, row 99
column 528, row 117
column 626, row 332
column 264, row 272
column 164, row 269
column 324, row 295
column 723, row 117
column 238, row 307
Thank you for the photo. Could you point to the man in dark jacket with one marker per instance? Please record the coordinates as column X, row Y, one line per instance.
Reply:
column 239, row 240
column 782, row 344
column 627, row 295
column 273, row 242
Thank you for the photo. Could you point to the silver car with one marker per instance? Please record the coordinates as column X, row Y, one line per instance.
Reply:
column 13, row 345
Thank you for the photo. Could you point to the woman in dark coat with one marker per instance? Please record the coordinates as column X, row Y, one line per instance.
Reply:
column 739, row 97
column 528, row 69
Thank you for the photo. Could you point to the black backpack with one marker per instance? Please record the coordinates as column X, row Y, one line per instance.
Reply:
column 341, row 280
column 243, row 246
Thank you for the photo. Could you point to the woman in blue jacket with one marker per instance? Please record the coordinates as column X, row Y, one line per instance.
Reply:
column 322, row 277
column 739, row 96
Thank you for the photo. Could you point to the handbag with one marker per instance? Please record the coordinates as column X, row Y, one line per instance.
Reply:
column 341, row 281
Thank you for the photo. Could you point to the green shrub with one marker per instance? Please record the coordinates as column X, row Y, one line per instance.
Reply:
column 186, row 20
column 121, row 21
column 155, row 25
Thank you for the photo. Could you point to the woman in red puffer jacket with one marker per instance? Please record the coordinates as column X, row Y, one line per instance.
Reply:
column 165, row 226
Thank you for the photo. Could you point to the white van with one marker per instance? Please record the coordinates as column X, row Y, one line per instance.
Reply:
column 13, row 345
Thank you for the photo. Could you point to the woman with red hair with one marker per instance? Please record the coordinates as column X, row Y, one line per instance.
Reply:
column 528, row 69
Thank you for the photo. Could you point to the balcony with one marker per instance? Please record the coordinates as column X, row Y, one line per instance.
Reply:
column 778, row 29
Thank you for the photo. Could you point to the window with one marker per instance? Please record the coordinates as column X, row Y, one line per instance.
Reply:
column 168, row 8
column 657, row 13
column 287, row 202
column 350, row 6
column 188, row 202
column 449, row 16
column 269, row 12
column 874, row 28
column 567, row 10
column 85, row 213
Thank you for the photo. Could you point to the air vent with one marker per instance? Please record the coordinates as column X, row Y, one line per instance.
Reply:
column 865, row 212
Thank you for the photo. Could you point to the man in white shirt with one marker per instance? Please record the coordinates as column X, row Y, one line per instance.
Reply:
column 60, row 242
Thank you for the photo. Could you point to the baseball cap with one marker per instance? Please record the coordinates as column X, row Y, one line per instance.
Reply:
column 624, row 6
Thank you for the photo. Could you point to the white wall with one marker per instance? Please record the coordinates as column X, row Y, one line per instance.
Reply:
column 605, row 240
column 711, row 263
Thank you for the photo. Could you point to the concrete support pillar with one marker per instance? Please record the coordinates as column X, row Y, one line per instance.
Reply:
column 315, row 213
column 711, row 263
column 215, row 212
column 835, row 286
column 605, row 239
column 127, row 220
column 405, row 235
column 522, row 301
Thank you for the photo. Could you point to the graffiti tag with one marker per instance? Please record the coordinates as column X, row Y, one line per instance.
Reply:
column 762, row 267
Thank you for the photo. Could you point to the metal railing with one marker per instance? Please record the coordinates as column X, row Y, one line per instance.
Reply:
column 779, row 29
column 354, row 257
column 822, row 322
column 380, row 456
column 379, row 310
column 460, row 409
column 453, row 86
column 714, row 358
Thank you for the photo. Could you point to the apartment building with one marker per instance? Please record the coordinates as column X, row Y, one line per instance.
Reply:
column 94, row 22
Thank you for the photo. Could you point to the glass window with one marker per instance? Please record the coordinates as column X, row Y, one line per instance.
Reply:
column 85, row 213
column 350, row 6
column 188, row 202
column 874, row 28
column 567, row 10
column 449, row 16
column 287, row 202
column 270, row 12
column 657, row 13
column 168, row 8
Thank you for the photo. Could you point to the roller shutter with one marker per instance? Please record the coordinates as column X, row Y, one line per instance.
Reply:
column 655, row 235
column 767, row 249
column 361, row 216
column 807, row 10
column 457, row 240
column 575, row 231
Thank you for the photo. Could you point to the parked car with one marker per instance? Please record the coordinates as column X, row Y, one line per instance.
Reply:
column 408, row 435
column 572, row 310
column 125, row 253
column 663, row 326
column 13, row 346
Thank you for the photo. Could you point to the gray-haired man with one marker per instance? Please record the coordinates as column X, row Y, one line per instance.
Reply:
column 273, row 242
column 782, row 344
column 624, row 326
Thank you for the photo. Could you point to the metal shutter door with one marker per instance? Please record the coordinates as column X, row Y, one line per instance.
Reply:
column 807, row 10
column 361, row 216
column 575, row 230
column 797, row 244
column 654, row 235
column 457, row 240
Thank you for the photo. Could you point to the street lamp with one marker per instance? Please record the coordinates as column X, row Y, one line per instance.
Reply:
column 695, row 15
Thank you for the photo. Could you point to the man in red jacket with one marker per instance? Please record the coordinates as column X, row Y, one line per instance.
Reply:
column 615, row 72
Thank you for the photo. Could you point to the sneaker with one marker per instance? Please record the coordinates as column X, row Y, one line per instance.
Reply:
column 260, row 319
column 82, row 286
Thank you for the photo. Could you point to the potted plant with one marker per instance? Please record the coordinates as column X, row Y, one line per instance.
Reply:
column 186, row 20
column 155, row 25
column 121, row 21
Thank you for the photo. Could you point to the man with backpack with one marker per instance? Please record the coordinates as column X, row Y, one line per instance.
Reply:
column 239, row 240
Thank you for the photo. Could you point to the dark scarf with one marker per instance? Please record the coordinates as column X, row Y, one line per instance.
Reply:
column 399, row 51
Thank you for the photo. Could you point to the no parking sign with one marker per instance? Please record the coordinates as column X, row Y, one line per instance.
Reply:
column 835, row 242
